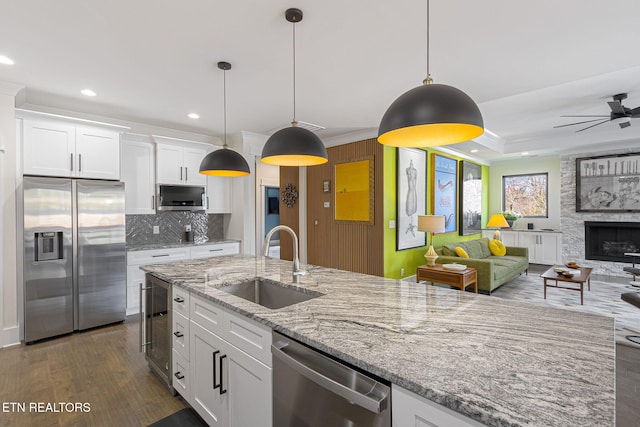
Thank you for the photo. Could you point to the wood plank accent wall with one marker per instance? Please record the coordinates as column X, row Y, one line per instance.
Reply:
column 352, row 247
column 289, row 215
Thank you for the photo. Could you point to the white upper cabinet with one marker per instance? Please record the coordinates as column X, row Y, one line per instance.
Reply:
column 179, row 164
column 218, row 194
column 138, row 174
column 61, row 149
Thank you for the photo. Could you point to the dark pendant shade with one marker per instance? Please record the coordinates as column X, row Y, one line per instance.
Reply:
column 294, row 146
column 224, row 162
column 430, row 115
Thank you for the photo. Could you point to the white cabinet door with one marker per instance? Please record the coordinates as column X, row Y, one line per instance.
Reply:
column 530, row 241
column 509, row 238
column 98, row 153
column 135, row 277
column 169, row 169
column 181, row 375
column 410, row 409
column 249, row 387
column 48, row 148
column 218, row 195
column 191, row 163
column 138, row 175
column 207, row 399
column 550, row 248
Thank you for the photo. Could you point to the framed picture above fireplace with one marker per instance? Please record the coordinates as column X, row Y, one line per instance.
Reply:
column 608, row 183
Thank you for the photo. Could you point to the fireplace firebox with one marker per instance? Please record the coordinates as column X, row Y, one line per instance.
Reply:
column 608, row 241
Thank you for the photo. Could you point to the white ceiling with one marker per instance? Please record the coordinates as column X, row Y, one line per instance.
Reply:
column 154, row 61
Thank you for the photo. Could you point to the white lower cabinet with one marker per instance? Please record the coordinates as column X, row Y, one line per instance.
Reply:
column 181, row 375
column 209, row 390
column 409, row 409
column 545, row 247
column 226, row 386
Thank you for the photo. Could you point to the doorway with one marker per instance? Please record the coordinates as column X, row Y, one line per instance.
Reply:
column 271, row 213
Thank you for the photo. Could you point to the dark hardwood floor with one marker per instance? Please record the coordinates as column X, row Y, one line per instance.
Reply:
column 101, row 367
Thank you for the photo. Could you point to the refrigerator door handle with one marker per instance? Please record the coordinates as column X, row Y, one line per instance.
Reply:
column 142, row 324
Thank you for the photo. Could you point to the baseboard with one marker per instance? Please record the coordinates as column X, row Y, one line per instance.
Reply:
column 9, row 337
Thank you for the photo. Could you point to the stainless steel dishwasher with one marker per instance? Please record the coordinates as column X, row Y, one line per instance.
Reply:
column 311, row 389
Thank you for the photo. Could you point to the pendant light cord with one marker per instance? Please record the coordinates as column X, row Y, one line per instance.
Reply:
column 224, row 105
column 428, row 80
column 294, row 122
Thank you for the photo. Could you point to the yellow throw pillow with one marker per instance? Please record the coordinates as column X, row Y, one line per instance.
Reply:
column 497, row 248
column 461, row 252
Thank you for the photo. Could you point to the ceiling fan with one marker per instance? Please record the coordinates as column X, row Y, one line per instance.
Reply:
column 618, row 111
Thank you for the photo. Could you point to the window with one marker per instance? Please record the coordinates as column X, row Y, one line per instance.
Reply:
column 526, row 194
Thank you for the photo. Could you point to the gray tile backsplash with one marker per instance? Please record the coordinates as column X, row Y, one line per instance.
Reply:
column 172, row 227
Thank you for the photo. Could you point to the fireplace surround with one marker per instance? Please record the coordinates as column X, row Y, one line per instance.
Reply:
column 608, row 240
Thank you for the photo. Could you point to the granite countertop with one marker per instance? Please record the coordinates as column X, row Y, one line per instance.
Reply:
column 150, row 246
column 501, row 363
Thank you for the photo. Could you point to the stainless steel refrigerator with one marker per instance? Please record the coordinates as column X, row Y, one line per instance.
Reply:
column 74, row 255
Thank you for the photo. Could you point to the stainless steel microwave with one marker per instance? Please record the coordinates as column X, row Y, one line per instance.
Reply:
column 181, row 198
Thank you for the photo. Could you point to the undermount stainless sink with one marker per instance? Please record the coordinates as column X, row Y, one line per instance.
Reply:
column 269, row 294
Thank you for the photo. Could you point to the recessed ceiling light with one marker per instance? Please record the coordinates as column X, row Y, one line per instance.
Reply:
column 525, row 153
column 6, row 60
column 475, row 150
column 87, row 92
column 193, row 116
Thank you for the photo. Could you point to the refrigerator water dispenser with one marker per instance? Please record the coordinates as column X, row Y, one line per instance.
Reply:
column 48, row 246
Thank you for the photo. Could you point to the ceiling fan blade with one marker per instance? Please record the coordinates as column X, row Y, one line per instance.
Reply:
column 577, row 123
column 616, row 107
column 635, row 113
column 592, row 115
column 624, row 125
column 589, row 127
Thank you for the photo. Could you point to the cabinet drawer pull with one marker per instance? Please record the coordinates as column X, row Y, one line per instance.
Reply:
column 178, row 300
column 215, row 250
column 178, row 376
column 158, row 256
column 186, row 173
column 215, row 386
column 180, row 173
column 178, row 334
column 222, row 389
column 153, row 202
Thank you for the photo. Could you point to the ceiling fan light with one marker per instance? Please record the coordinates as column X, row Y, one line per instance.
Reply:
column 224, row 162
column 294, row 146
column 430, row 115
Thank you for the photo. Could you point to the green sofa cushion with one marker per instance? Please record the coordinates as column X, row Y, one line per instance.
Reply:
column 478, row 249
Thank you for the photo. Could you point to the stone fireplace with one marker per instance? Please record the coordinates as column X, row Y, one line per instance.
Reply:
column 608, row 241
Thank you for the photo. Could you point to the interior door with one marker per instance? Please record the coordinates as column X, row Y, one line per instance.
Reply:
column 101, row 260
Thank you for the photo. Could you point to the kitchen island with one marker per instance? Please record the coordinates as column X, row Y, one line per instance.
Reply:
column 500, row 363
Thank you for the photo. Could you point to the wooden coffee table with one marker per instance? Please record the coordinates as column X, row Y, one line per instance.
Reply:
column 457, row 278
column 579, row 278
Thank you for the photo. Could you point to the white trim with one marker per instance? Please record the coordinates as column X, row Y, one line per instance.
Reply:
column 348, row 138
column 179, row 141
column 9, row 337
column 31, row 114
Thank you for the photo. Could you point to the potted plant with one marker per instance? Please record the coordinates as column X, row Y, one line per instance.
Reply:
column 511, row 216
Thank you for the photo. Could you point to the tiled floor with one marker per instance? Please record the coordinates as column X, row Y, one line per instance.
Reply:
column 603, row 299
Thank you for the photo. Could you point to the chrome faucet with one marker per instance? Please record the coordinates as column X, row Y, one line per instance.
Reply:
column 296, row 261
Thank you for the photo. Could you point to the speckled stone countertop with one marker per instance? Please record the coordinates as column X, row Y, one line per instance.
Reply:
column 174, row 245
column 501, row 363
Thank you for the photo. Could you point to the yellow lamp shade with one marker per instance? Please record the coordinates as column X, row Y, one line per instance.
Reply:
column 497, row 220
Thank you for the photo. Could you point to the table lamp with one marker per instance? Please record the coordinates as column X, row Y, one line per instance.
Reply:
column 431, row 224
column 497, row 220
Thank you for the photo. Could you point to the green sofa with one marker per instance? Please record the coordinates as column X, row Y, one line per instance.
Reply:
column 493, row 271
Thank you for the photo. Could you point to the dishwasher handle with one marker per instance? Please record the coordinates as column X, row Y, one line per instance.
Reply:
column 371, row 404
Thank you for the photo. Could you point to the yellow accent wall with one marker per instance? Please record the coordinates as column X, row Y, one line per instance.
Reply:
column 410, row 259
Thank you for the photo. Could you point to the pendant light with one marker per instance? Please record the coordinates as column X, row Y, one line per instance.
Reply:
column 294, row 146
column 224, row 162
column 430, row 115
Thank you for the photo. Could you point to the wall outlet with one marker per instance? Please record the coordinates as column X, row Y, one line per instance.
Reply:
column 402, row 272
column 156, row 229
column 327, row 204
column 187, row 227
column 392, row 223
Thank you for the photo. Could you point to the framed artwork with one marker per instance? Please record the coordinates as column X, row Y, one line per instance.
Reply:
column 411, row 195
column 353, row 201
column 608, row 183
column 445, row 190
column 470, row 198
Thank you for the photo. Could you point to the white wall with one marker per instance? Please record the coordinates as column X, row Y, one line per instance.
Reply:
column 528, row 165
column 9, row 156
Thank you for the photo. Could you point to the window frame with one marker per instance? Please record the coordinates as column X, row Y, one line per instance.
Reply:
column 546, row 193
